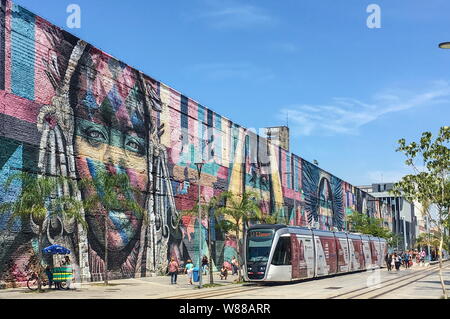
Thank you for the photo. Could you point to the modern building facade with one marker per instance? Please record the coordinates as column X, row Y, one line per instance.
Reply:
column 68, row 108
column 398, row 214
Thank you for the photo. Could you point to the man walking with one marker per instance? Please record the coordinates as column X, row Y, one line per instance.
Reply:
column 388, row 259
column 406, row 259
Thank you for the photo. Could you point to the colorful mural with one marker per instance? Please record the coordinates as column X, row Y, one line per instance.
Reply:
column 67, row 108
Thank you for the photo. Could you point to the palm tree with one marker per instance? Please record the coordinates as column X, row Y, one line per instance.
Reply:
column 112, row 192
column 40, row 201
column 238, row 211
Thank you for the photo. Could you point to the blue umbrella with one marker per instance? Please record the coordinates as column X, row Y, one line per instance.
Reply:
column 56, row 249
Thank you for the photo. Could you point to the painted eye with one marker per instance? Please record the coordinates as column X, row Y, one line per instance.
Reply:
column 96, row 134
column 134, row 145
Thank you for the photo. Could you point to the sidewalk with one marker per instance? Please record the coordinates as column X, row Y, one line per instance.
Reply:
column 133, row 288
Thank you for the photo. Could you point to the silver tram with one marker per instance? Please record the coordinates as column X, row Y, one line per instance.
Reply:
column 280, row 253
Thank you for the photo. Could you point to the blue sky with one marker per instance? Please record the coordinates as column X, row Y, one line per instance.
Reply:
column 350, row 92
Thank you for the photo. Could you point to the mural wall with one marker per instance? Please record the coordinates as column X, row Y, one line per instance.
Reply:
column 67, row 108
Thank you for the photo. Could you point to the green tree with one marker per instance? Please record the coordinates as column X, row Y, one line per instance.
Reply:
column 430, row 160
column 40, row 200
column 361, row 223
column 237, row 212
column 110, row 192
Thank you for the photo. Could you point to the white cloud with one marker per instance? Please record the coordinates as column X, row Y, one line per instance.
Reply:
column 392, row 176
column 385, row 176
column 236, row 70
column 285, row 47
column 232, row 15
column 346, row 115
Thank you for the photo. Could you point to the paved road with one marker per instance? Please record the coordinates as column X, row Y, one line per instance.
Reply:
column 415, row 283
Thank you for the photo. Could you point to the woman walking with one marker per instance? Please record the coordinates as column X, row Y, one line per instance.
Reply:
column 189, row 270
column 173, row 271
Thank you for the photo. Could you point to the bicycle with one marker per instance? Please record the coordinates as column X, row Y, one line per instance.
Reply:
column 32, row 283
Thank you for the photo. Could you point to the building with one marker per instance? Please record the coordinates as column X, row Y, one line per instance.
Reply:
column 278, row 136
column 398, row 214
column 69, row 108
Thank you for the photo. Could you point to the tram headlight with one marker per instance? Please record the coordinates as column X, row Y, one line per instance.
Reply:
column 262, row 268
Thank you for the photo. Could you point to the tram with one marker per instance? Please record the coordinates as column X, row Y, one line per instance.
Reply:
column 280, row 253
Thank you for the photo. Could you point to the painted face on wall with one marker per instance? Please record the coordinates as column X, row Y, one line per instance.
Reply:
column 111, row 135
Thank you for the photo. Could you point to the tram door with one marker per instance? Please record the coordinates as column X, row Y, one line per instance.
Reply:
column 326, row 257
column 302, row 257
column 376, row 252
column 356, row 253
column 383, row 249
column 367, row 254
column 343, row 255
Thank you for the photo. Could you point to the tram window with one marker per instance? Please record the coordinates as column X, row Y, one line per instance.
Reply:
column 259, row 244
column 282, row 253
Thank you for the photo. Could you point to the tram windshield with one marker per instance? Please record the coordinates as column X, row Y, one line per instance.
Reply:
column 259, row 242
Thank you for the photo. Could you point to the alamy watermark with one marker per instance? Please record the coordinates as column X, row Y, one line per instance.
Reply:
column 74, row 19
column 374, row 19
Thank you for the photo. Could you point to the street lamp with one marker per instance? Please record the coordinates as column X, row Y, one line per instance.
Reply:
column 199, row 170
column 444, row 45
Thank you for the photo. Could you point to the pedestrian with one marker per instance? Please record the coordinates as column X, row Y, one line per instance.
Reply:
column 388, row 259
column 398, row 261
column 66, row 262
column 392, row 261
column 173, row 271
column 189, row 269
column 205, row 265
column 49, row 273
column 422, row 257
column 223, row 272
column 406, row 259
column 235, row 265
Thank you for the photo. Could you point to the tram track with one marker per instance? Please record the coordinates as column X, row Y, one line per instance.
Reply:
column 215, row 293
column 386, row 287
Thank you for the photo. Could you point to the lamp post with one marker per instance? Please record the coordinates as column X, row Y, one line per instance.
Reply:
column 199, row 170
column 444, row 45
